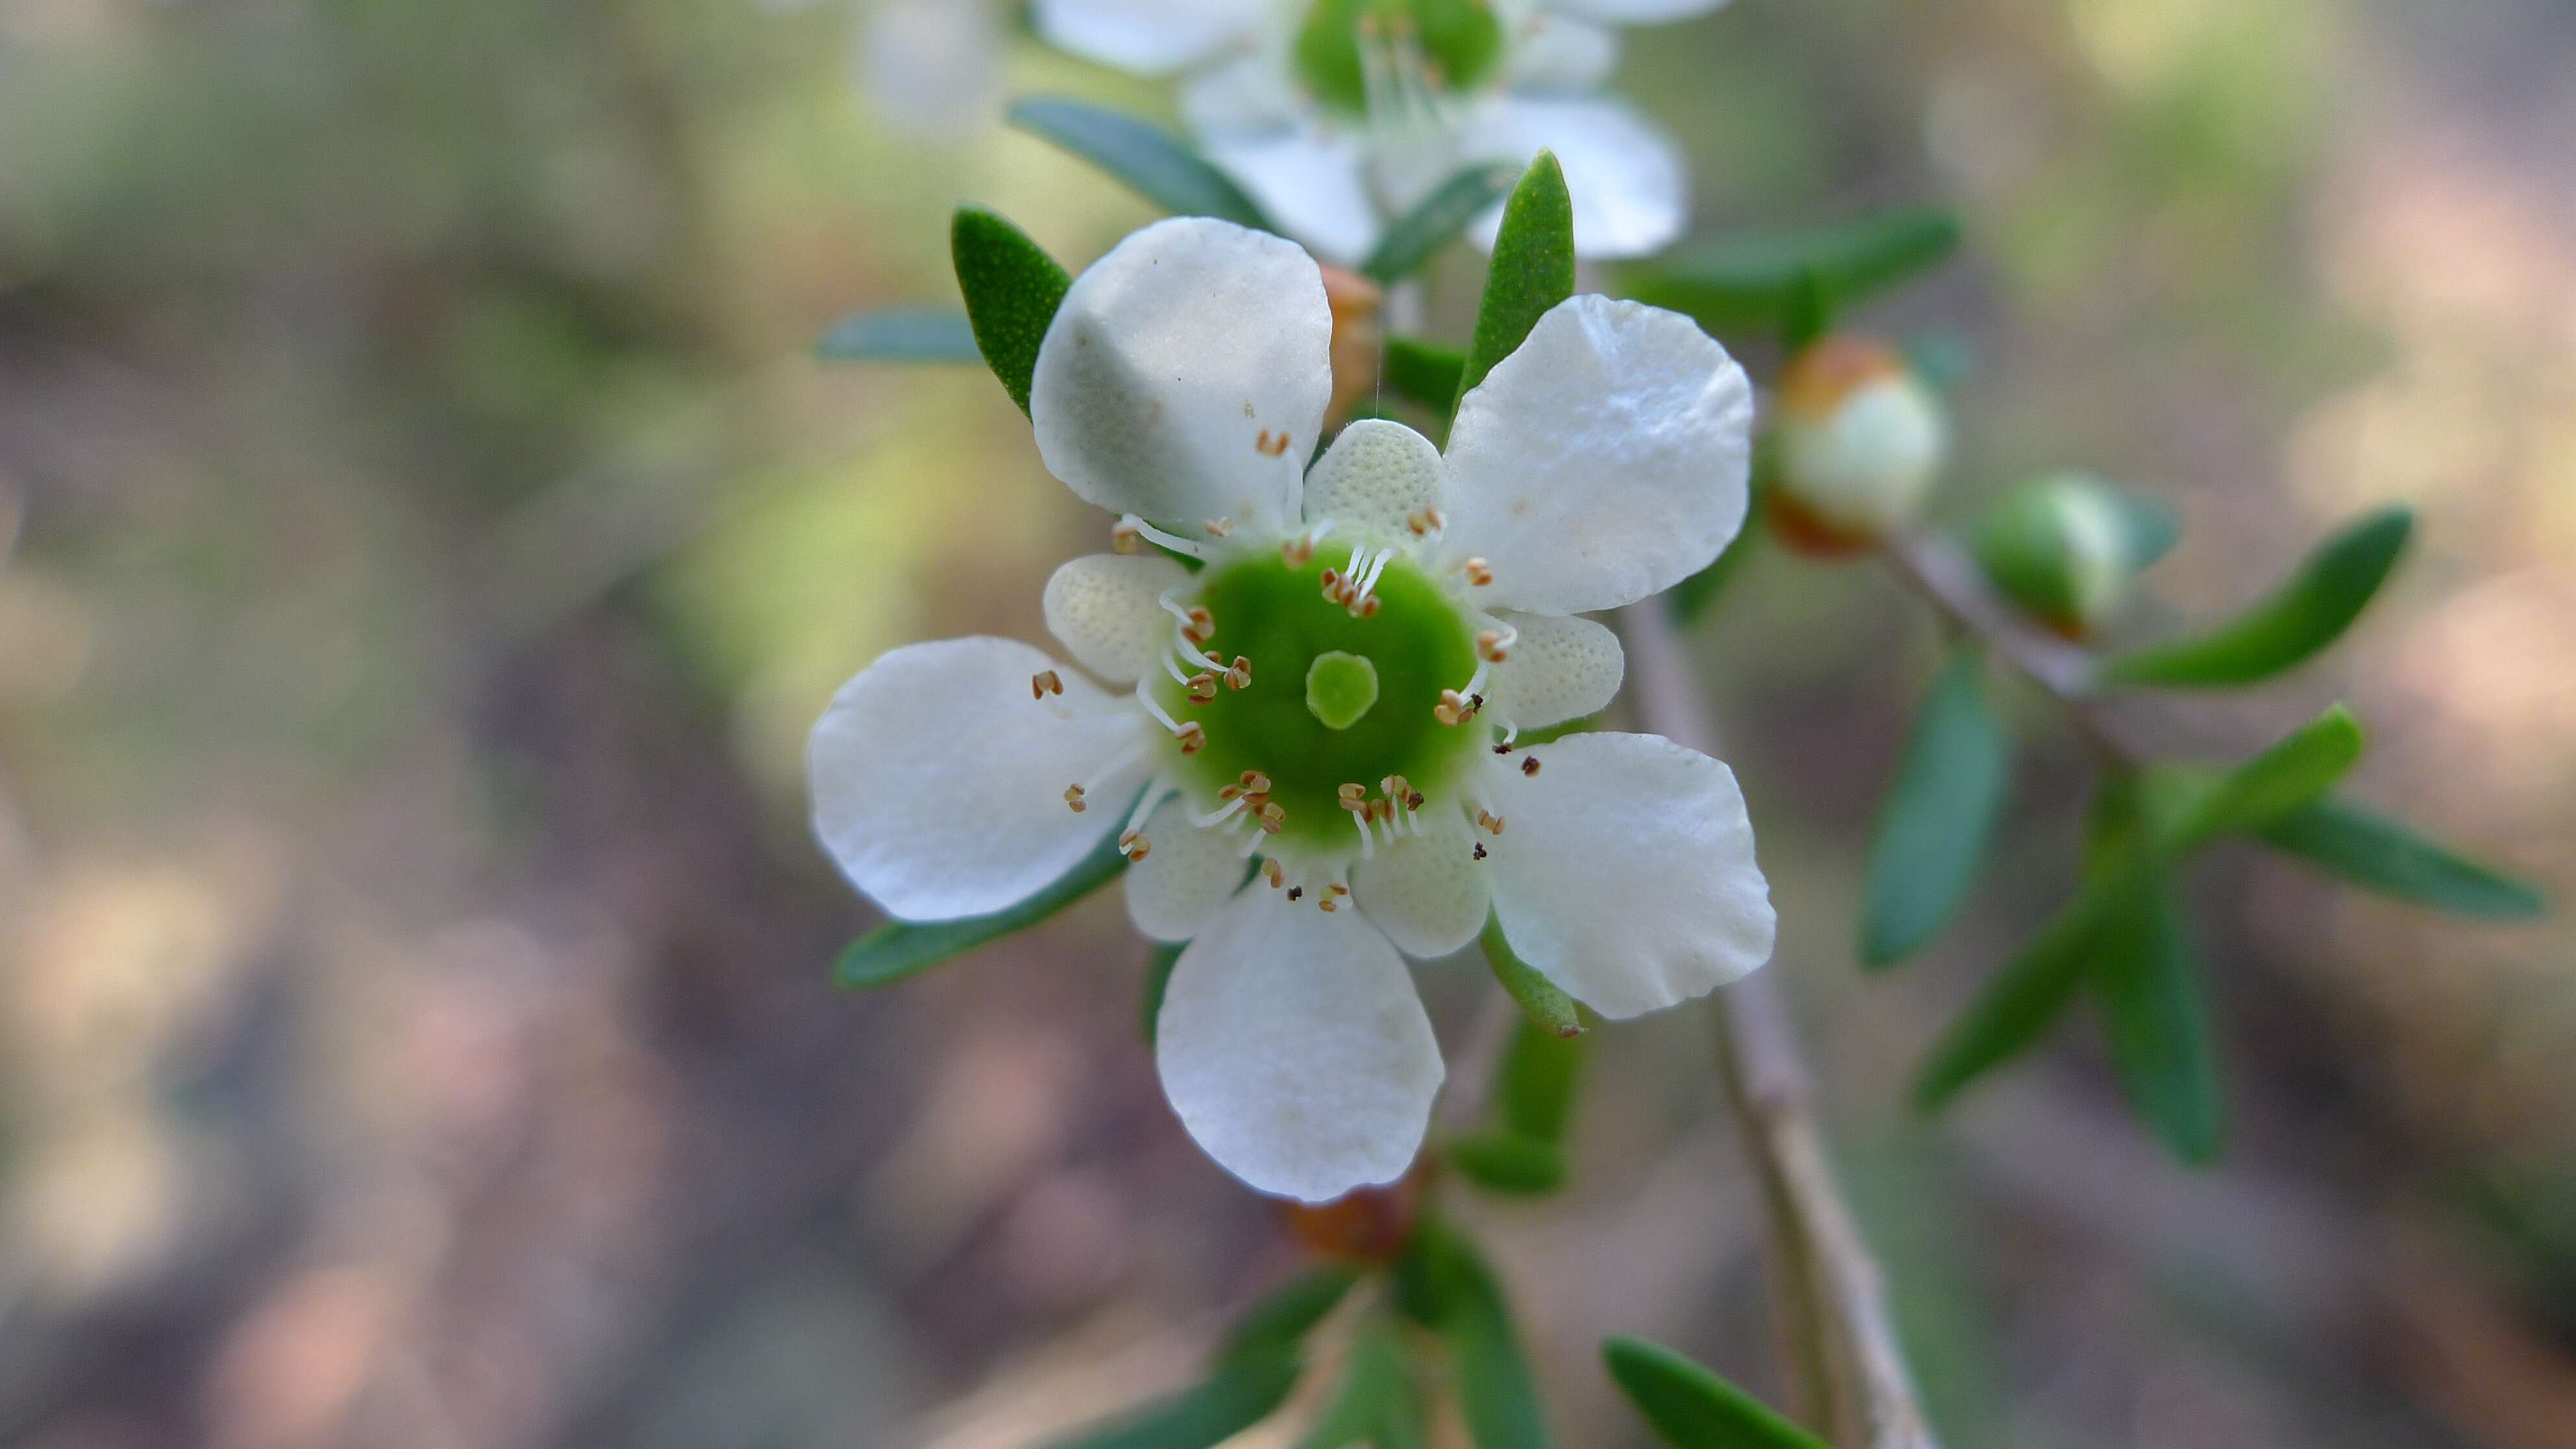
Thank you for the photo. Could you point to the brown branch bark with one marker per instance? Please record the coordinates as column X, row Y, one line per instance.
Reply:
column 1839, row 1333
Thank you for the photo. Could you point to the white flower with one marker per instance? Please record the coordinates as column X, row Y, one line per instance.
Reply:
column 1311, row 764
column 1337, row 115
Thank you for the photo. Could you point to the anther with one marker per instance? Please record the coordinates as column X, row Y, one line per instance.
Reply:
column 1202, row 688
column 1270, row 444
column 1296, row 551
column 1328, row 905
column 1353, row 795
column 1480, row 850
column 1255, row 783
column 1339, row 889
column 1489, row 646
column 1492, row 822
column 1073, row 798
column 1134, row 844
column 1240, row 676
column 1413, row 801
column 1201, row 626
column 1193, row 737
column 1229, row 792
column 1452, row 707
column 1123, row 537
column 1044, row 683
column 1271, row 872
column 1479, row 572
column 1220, row 527
column 1296, row 892
column 1274, row 818
column 1529, row 764
column 1367, row 608
column 1504, row 748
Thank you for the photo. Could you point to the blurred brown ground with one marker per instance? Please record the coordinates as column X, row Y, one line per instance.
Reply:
column 435, row 539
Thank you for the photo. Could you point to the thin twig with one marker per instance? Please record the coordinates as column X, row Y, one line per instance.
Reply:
column 1833, row 1304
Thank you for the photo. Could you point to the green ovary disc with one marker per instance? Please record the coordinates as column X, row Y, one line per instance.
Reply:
column 1417, row 644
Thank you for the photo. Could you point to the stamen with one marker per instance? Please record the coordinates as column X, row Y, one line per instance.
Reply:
column 1210, row 819
column 1134, row 844
column 1270, row 444
column 1202, row 624
column 1270, row 872
column 1193, row 738
column 1122, row 537
column 1480, row 850
column 1529, row 764
column 1479, row 572
column 1044, row 683
column 1255, row 783
column 1073, row 799
column 1154, row 795
column 1425, row 520
column 1240, row 676
column 1274, row 817
column 1219, row 527
column 1202, row 689
column 1490, row 646
column 1172, row 666
column 1368, row 842
column 1296, row 891
column 1151, row 534
column 1492, row 822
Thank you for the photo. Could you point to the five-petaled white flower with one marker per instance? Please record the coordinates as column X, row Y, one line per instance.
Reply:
column 1312, row 761
column 1338, row 114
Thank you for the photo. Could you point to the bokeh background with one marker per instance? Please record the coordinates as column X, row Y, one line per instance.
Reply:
column 434, row 536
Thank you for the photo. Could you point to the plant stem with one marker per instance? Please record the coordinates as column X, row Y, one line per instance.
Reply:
column 1840, row 1336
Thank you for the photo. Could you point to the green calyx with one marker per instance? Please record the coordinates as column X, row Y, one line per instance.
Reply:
column 1333, row 698
column 1449, row 43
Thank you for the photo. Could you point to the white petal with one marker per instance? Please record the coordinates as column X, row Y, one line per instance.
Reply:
column 1187, row 873
column 939, row 781
column 1427, row 891
column 1555, row 53
column 1603, row 461
column 1295, row 1050
column 1106, row 610
column 1625, row 872
column 1635, row 12
column 1376, row 475
column 1150, row 37
column 1185, row 375
column 1311, row 181
column 1560, row 668
column 1629, row 183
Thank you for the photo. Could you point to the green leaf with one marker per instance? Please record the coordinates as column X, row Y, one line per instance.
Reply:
column 2307, row 613
column 1431, row 225
column 1279, row 1320
column 1534, row 1085
column 1940, row 814
column 1774, row 279
column 2028, row 995
column 1151, row 161
column 1540, row 998
column 1692, row 1408
column 1012, row 288
column 1376, row 1402
column 2153, row 1019
column 2383, row 855
column 1532, row 268
column 1158, row 979
column 901, row 334
column 1423, row 372
column 1443, row 1281
column 1238, row 1394
column 899, row 949
column 1507, row 1162
column 2291, row 772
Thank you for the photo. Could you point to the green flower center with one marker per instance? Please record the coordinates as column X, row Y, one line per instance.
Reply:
column 1421, row 43
column 1334, row 698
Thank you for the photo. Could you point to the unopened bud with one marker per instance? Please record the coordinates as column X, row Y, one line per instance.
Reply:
column 1857, row 439
column 2067, row 546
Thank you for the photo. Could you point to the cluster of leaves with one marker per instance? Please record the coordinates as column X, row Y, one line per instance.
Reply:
column 1435, row 1310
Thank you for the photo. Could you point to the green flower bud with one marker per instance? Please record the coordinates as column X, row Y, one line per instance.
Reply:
column 1347, row 48
column 1856, row 441
column 2066, row 547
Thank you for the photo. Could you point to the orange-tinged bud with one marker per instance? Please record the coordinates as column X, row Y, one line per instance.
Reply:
column 1357, row 341
column 1857, row 439
column 1371, row 1224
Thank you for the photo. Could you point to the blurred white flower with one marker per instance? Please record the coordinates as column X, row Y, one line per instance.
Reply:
column 1316, row 756
column 931, row 69
column 1337, row 115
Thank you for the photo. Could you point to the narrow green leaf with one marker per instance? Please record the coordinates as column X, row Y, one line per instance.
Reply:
column 1940, row 814
column 1376, row 1402
column 1539, row 997
column 1751, row 280
column 1535, row 1081
column 2028, row 995
column 1692, row 1408
column 1280, row 1320
column 1431, row 225
column 2307, row 613
column 1507, row 1162
column 2147, row 985
column 899, row 949
column 1811, row 312
column 2383, row 855
column 901, row 334
column 1151, row 161
column 1240, row 1393
column 1443, row 1281
column 1012, row 288
column 1158, row 979
column 1423, row 372
column 1532, row 268
column 2293, row 771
